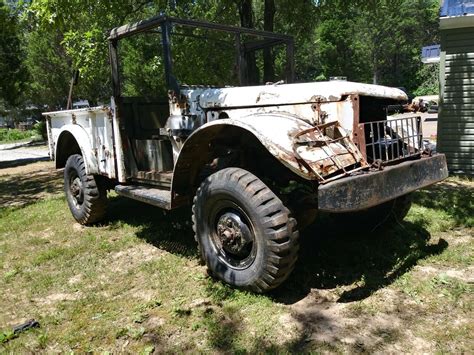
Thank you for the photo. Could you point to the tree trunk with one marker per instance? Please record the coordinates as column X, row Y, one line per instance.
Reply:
column 246, row 13
column 246, row 20
column 375, row 70
column 268, row 59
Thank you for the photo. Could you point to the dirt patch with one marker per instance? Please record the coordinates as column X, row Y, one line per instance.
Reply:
column 356, row 327
column 154, row 322
column 466, row 275
column 75, row 279
column 321, row 318
column 126, row 260
column 78, row 227
column 47, row 166
column 143, row 295
column 53, row 299
column 459, row 236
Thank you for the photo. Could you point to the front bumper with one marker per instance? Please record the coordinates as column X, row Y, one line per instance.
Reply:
column 369, row 189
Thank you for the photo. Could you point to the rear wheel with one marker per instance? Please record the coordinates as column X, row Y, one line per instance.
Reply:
column 86, row 194
column 246, row 235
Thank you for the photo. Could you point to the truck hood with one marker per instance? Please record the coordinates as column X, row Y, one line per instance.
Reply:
column 287, row 94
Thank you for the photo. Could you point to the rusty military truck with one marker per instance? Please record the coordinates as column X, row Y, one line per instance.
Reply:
column 257, row 161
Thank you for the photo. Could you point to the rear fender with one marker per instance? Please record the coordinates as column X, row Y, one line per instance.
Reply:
column 83, row 141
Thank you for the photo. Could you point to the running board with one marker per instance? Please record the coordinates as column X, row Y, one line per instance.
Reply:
column 150, row 195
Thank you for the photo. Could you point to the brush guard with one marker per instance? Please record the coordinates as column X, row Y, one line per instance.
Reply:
column 392, row 140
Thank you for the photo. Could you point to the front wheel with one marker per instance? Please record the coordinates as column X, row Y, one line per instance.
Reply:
column 246, row 235
column 85, row 194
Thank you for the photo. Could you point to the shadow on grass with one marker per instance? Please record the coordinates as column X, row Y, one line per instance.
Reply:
column 360, row 263
column 454, row 197
column 330, row 258
column 333, row 256
column 21, row 162
column 167, row 230
column 223, row 335
column 21, row 190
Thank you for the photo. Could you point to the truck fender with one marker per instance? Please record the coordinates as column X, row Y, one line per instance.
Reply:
column 272, row 130
column 81, row 137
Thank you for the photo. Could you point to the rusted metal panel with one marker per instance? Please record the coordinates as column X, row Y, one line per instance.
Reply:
column 358, row 135
column 149, row 155
column 118, row 138
column 341, row 157
column 369, row 189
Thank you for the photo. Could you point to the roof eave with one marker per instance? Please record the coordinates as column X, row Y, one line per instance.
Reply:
column 452, row 22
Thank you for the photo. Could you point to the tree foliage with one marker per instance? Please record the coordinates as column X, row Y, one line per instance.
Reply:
column 49, row 68
column 376, row 40
column 13, row 74
column 368, row 41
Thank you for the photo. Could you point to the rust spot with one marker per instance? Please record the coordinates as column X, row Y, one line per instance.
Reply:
column 332, row 140
column 317, row 98
column 320, row 115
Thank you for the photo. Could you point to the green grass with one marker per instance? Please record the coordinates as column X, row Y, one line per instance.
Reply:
column 135, row 283
column 122, row 282
column 10, row 135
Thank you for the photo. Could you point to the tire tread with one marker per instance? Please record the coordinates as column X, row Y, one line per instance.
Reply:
column 279, row 226
column 94, row 207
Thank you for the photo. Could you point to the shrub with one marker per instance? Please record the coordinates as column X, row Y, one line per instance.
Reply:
column 12, row 135
column 40, row 129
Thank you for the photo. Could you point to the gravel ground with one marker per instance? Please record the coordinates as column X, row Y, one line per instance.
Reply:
column 23, row 152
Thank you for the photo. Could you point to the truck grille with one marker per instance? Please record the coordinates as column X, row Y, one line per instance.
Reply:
column 394, row 139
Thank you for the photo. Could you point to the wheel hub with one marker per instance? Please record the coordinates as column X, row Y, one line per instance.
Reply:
column 234, row 234
column 76, row 190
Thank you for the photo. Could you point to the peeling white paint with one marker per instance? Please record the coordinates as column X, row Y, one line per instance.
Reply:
column 290, row 94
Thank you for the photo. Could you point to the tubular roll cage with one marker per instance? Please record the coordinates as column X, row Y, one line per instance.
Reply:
column 165, row 23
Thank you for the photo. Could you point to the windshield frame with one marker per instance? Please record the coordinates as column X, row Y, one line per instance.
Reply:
column 164, row 25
